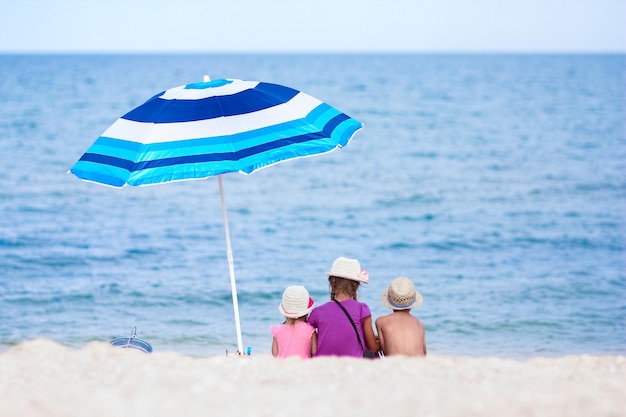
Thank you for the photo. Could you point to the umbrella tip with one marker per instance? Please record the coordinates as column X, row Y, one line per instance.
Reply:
column 207, row 78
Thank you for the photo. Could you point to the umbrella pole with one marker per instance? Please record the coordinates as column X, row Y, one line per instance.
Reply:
column 231, row 267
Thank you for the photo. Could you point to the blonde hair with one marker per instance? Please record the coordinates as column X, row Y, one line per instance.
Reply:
column 338, row 285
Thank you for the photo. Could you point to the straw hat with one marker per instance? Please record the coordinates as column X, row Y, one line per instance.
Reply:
column 296, row 302
column 401, row 295
column 349, row 269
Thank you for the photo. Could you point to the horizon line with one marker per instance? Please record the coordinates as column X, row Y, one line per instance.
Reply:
column 314, row 52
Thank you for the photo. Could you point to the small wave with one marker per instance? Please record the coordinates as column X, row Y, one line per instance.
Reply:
column 183, row 323
column 565, row 242
column 428, row 217
column 411, row 200
column 451, row 245
column 397, row 246
column 48, row 300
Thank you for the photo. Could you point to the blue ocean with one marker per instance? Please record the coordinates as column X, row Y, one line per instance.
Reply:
column 496, row 183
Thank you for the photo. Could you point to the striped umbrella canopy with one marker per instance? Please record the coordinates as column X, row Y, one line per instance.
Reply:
column 209, row 128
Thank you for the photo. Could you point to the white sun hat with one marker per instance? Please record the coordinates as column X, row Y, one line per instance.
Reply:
column 349, row 269
column 401, row 295
column 296, row 302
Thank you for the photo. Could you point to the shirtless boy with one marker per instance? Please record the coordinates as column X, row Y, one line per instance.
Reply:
column 401, row 333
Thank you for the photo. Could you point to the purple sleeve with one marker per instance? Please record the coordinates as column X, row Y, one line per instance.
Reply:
column 365, row 311
column 313, row 318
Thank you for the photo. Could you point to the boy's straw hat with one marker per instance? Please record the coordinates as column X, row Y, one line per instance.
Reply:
column 296, row 302
column 349, row 269
column 401, row 295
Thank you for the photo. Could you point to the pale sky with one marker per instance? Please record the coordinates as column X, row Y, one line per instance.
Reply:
column 312, row 26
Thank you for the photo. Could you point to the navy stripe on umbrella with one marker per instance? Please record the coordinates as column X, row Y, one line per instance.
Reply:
column 210, row 128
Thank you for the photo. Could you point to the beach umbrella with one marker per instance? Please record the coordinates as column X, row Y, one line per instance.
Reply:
column 210, row 128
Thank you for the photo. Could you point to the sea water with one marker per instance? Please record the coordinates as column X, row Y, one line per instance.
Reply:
column 497, row 183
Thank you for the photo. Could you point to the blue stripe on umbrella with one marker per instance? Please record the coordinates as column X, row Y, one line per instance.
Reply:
column 246, row 164
column 157, row 110
column 102, row 172
column 121, row 149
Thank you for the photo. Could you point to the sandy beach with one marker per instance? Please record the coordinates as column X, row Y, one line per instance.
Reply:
column 43, row 378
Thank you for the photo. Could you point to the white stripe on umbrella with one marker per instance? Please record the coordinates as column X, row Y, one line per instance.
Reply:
column 298, row 108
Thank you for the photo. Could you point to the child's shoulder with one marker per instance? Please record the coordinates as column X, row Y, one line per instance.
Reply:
column 384, row 318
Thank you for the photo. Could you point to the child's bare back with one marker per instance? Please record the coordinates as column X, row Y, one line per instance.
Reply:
column 400, row 333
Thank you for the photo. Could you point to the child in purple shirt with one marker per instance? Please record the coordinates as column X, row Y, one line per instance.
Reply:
column 335, row 334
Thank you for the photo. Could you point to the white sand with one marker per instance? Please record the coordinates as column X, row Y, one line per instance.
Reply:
column 42, row 378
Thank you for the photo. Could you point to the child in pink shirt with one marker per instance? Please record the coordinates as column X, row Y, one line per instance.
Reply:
column 295, row 337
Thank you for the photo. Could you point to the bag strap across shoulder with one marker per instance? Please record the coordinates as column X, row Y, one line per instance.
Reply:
column 351, row 322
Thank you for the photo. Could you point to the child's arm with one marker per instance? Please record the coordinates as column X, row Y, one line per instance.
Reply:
column 381, row 336
column 370, row 338
column 274, row 347
column 313, row 343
